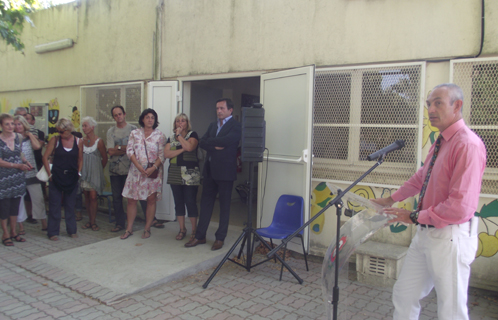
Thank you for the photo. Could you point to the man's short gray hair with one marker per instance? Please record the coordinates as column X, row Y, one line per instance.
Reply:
column 20, row 109
column 456, row 92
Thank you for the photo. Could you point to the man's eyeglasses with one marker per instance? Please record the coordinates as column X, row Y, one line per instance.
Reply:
column 61, row 131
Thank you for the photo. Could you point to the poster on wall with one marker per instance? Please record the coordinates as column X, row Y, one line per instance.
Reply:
column 40, row 112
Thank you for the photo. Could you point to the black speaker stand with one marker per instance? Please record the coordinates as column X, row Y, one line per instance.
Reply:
column 245, row 237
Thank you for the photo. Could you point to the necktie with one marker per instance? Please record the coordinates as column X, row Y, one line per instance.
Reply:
column 431, row 165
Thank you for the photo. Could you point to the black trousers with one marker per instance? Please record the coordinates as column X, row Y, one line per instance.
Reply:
column 185, row 196
column 210, row 188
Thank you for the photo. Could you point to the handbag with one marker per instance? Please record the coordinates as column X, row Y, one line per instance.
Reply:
column 154, row 174
column 42, row 174
column 190, row 177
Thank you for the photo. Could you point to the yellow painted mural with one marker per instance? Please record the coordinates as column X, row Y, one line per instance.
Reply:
column 25, row 103
column 488, row 240
column 321, row 196
column 75, row 119
column 5, row 106
column 53, row 117
column 429, row 132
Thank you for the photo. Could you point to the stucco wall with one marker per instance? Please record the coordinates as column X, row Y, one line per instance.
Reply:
column 228, row 35
column 114, row 38
column 113, row 43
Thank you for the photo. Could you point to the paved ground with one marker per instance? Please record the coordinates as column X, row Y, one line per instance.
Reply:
column 233, row 294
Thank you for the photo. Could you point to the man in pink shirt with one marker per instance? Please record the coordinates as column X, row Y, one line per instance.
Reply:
column 446, row 241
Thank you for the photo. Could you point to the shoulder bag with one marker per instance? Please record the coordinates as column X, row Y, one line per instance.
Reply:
column 154, row 174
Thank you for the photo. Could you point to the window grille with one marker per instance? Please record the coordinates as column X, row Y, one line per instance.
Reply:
column 376, row 266
column 358, row 111
column 99, row 100
column 478, row 79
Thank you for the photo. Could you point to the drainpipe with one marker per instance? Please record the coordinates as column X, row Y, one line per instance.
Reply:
column 481, row 44
column 157, row 42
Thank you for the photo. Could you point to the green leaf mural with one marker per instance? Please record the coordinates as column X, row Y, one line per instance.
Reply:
column 397, row 227
column 489, row 210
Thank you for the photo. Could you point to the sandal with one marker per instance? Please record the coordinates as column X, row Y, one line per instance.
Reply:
column 79, row 217
column 145, row 236
column 181, row 235
column 7, row 242
column 54, row 238
column 21, row 232
column 126, row 235
column 117, row 229
column 157, row 224
column 95, row 227
column 88, row 225
column 17, row 238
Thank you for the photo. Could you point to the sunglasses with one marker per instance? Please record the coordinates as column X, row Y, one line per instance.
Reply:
column 61, row 131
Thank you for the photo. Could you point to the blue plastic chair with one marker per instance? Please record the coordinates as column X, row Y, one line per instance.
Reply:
column 287, row 218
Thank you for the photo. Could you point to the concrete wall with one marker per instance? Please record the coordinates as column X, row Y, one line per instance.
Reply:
column 227, row 35
column 113, row 43
column 114, row 38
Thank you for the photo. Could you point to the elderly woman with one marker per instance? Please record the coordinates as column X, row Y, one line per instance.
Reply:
column 12, row 178
column 67, row 162
column 92, row 174
column 146, row 151
column 184, row 175
column 29, row 144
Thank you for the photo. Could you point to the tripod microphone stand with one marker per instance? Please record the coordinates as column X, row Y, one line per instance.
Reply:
column 245, row 237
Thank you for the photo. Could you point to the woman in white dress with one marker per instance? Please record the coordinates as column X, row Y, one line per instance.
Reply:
column 92, row 174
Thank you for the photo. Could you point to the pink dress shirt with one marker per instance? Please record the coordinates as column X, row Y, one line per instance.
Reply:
column 452, row 194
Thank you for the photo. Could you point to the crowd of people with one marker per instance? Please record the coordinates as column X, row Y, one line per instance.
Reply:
column 75, row 165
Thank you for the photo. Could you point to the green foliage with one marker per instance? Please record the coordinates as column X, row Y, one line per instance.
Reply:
column 13, row 14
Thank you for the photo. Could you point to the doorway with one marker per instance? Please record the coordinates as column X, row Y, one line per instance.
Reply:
column 199, row 99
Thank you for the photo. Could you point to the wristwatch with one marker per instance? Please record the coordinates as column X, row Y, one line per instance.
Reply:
column 414, row 217
column 119, row 147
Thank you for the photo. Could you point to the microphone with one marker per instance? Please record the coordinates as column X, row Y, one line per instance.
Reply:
column 398, row 144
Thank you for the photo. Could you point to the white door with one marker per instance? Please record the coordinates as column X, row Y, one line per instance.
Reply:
column 287, row 98
column 162, row 97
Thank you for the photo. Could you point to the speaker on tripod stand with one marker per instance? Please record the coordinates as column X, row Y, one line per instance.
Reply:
column 253, row 133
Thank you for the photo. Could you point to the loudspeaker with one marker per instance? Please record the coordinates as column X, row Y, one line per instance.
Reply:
column 253, row 133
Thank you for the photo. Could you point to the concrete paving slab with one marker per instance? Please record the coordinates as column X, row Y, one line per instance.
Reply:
column 112, row 269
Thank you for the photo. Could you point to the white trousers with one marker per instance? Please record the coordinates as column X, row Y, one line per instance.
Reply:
column 21, row 214
column 37, row 202
column 440, row 259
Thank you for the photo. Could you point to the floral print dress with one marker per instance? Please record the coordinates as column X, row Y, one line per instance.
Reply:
column 139, row 186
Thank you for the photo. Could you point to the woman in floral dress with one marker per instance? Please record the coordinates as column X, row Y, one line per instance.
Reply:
column 146, row 145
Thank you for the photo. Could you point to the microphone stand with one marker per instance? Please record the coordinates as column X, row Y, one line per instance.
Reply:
column 337, row 201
